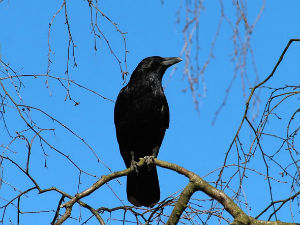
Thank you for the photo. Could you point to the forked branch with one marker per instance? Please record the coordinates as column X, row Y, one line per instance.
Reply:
column 196, row 184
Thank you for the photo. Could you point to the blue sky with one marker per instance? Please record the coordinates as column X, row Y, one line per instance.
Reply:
column 191, row 141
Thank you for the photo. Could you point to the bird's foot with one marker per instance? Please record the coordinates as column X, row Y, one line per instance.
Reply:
column 149, row 161
column 134, row 165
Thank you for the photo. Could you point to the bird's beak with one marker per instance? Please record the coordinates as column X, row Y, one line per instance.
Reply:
column 169, row 61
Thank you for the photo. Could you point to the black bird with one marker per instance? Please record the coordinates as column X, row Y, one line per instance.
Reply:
column 141, row 118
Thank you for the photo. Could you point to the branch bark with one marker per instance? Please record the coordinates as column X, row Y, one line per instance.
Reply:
column 196, row 183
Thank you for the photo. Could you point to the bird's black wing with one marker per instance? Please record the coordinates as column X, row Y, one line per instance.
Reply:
column 141, row 119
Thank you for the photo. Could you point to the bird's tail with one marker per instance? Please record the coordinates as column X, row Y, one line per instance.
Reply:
column 143, row 188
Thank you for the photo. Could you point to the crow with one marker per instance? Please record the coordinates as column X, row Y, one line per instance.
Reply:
column 141, row 118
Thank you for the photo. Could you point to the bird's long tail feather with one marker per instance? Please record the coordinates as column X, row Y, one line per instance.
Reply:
column 143, row 188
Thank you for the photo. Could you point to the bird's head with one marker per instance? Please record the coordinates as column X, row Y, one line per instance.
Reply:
column 156, row 64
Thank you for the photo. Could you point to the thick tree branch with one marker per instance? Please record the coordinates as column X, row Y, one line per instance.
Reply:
column 181, row 205
column 196, row 184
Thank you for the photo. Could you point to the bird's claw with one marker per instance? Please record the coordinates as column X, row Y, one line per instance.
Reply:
column 149, row 160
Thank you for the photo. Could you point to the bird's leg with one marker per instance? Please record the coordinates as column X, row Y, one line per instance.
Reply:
column 133, row 163
column 155, row 151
